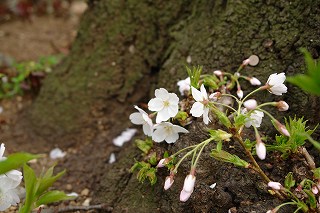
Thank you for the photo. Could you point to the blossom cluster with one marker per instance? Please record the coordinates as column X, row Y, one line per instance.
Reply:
column 8, row 185
column 165, row 107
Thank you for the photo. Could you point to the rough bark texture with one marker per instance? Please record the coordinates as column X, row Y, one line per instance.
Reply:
column 126, row 49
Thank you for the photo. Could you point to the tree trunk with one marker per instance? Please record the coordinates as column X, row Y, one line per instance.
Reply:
column 126, row 49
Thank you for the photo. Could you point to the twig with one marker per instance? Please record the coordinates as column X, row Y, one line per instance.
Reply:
column 76, row 208
column 308, row 158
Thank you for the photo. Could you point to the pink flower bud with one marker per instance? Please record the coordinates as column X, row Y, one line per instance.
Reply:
column 315, row 189
column 250, row 104
column 161, row 163
column 275, row 185
column 168, row 183
column 254, row 81
column 240, row 93
column 184, row 196
column 282, row 106
column 218, row 73
column 261, row 150
column 282, row 129
column 253, row 60
column 189, row 183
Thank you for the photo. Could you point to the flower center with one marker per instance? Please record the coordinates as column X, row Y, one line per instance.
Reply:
column 166, row 103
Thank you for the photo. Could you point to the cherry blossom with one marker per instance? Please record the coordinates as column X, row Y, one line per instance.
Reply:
column 184, row 85
column 142, row 118
column 275, row 83
column 8, row 192
column 240, row 93
column 200, row 107
column 165, row 104
column 168, row 132
column 255, row 118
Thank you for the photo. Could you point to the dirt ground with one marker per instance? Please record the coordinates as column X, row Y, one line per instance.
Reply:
column 24, row 39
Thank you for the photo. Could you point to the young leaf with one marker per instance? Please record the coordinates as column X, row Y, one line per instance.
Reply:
column 316, row 173
column 222, row 117
column 48, row 181
column 289, row 181
column 15, row 161
column 51, row 197
column 30, row 182
column 229, row 158
column 144, row 145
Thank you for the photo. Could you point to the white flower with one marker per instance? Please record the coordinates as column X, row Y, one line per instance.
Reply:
column 8, row 192
column 188, row 187
column 166, row 104
column 240, row 93
column 255, row 118
column 254, row 81
column 142, row 118
column 184, row 85
column 261, row 150
column 275, row 83
column 168, row 132
column 168, row 183
column 282, row 106
column 250, row 104
column 275, row 185
column 200, row 107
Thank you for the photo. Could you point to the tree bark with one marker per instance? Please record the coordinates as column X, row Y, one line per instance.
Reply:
column 126, row 49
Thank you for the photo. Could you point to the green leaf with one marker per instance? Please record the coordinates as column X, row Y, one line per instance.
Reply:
column 51, row 197
column 211, row 82
column 144, row 145
column 181, row 116
column 153, row 159
column 194, row 75
column 30, row 182
column 289, row 181
column 306, row 83
column 229, row 158
column 316, row 173
column 311, row 198
column 151, row 174
column 222, row 117
column 219, row 135
column 47, row 181
column 239, row 120
column 15, row 161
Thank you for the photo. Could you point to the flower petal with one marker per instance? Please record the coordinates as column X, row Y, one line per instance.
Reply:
column 155, row 104
column 136, row 118
column 196, row 94
column 173, row 110
column 147, row 129
column 162, row 93
column 162, row 115
column 197, row 109
column 159, row 135
column 172, row 137
column 184, row 196
column 204, row 92
column 177, row 129
column 206, row 119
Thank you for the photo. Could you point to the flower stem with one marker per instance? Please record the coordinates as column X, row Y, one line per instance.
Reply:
column 238, row 138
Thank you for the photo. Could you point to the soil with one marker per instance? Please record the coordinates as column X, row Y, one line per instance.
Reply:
column 24, row 39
